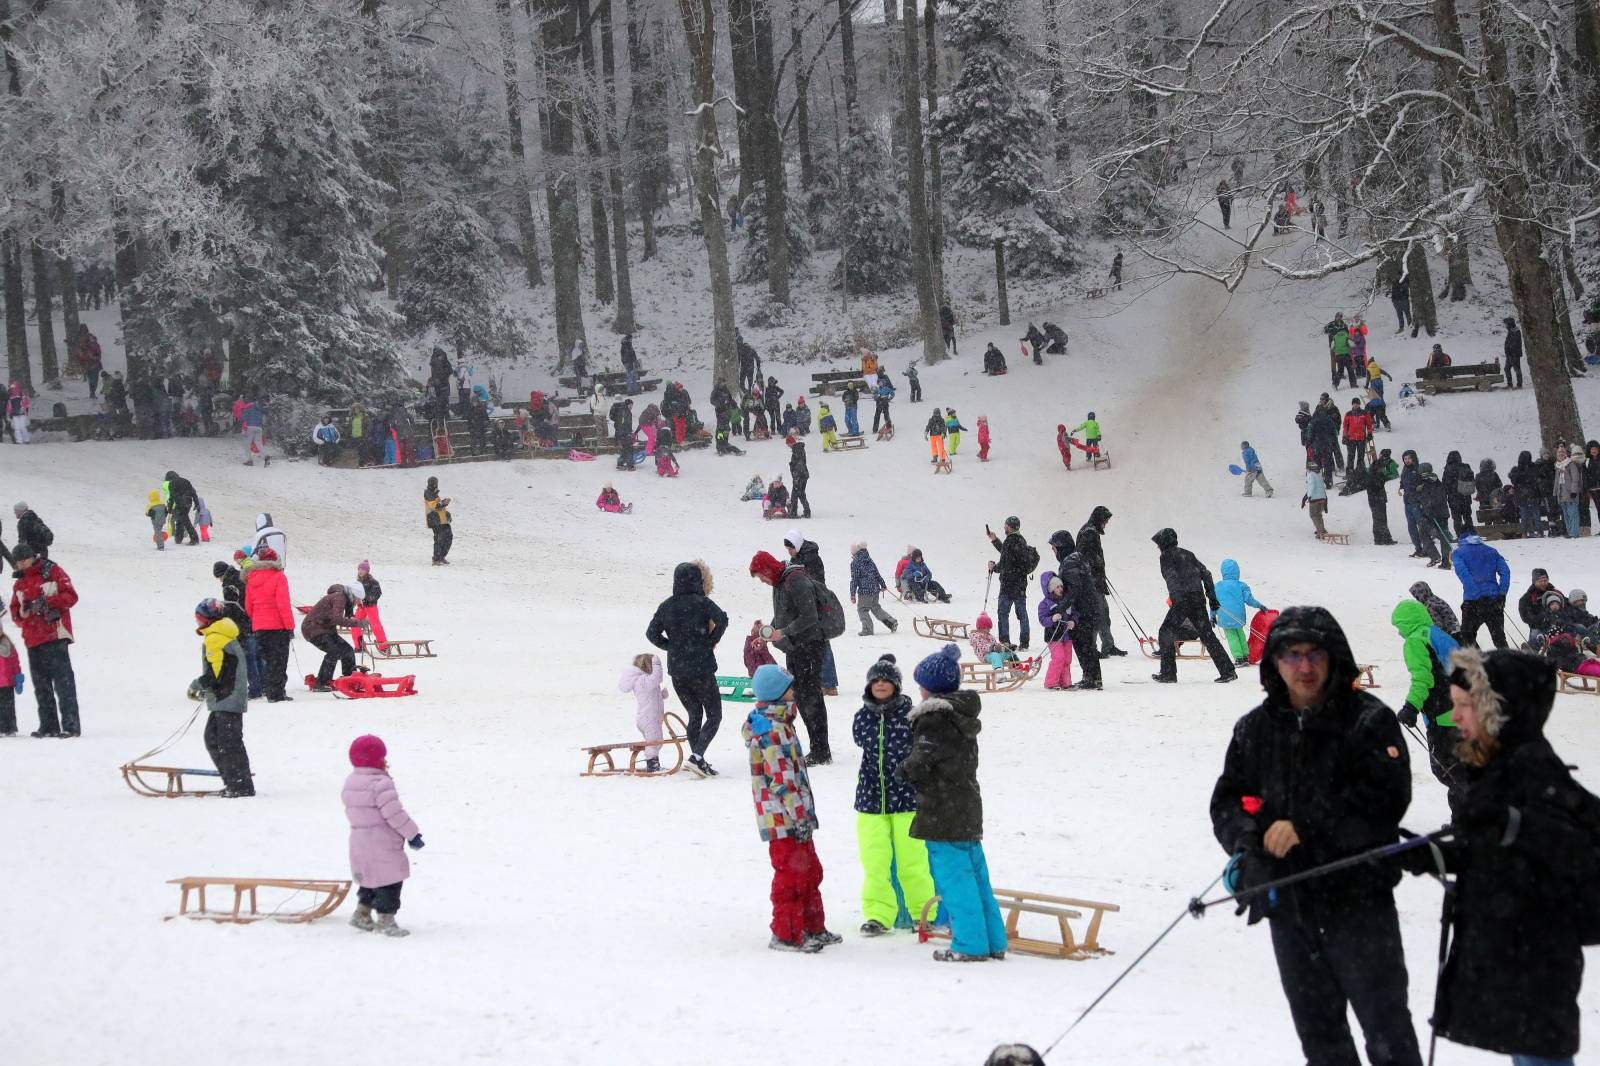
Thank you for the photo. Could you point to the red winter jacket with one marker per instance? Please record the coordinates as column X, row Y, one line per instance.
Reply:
column 41, row 603
column 266, row 597
column 1357, row 427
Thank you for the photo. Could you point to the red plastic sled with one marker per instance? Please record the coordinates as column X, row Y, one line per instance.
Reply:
column 369, row 686
column 1258, row 633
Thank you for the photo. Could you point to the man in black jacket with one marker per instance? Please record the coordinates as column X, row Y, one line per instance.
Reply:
column 798, row 633
column 32, row 531
column 1094, row 555
column 622, row 424
column 1193, row 599
column 1084, row 598
column 687, row 625
column 1513, row 353
column 233, row 608
column 799, row 475
column 1317, row 772
column 181, row 501
column 1018, row 559
column 1434, row 503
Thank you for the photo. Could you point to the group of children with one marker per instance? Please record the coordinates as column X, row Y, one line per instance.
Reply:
column 943, row 433
column 1067, row 439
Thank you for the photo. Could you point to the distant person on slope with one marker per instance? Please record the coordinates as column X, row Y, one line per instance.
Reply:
column 436, row 510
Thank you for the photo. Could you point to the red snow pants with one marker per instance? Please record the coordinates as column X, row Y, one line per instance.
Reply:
column 796, row 880
column 370, row 614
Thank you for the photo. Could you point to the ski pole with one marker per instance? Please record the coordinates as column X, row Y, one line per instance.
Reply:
column 987, row 585
column 1126, row 613
column 1198, row 907
column 1422, row 740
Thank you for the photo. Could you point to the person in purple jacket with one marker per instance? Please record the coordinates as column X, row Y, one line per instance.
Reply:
column 380, row 829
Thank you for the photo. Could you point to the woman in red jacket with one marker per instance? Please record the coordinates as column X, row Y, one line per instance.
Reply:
column 266, row 601
column 41, row 605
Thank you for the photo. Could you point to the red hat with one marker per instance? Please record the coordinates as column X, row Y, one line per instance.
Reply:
column 764, row 565
column 368, row 751
column 265, row 554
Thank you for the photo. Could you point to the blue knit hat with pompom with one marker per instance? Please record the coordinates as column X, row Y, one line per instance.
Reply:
column 940, row 672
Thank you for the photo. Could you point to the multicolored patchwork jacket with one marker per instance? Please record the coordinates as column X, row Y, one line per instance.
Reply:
column 778, row 780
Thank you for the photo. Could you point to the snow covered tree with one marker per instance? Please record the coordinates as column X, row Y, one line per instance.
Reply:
column 753, row 264
column 994, row 128
column 456, row 281
column 869, row 225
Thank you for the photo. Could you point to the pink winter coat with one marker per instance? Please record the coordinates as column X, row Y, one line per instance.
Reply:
column 379, row 828
column 10, row 663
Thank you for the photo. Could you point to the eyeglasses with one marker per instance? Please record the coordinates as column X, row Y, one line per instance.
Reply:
column 1297, row 659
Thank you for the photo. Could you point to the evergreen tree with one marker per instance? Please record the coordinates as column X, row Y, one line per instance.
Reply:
column 456, row 281
column 870, row 225
column 753, row 264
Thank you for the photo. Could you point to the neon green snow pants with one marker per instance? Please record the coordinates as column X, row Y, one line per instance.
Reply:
column 894, row 868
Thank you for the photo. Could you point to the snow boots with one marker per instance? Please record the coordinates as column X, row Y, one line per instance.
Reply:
column 362, row 919
column 387, row 927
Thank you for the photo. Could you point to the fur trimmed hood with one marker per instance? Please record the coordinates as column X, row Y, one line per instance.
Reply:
column 1512, row 692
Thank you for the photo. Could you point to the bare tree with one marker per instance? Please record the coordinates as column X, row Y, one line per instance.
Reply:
column 527, row 227
column 916, row 191
column 558, row 29
column 611, row 117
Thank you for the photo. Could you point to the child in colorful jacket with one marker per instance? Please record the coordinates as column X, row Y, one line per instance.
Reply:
column 610, row 500
column 1426, row 650
column 829, row 427
column 367, row 608
column 10, row 685
column 984, row 644
column 666, row 465
column 380, row 829
column 983, row 438
column 1233, row 596
column 896, row 884
column 156, row 511
column 642, row 677
column 935, row 431
column 943, row 765
column 953, row 429
column 1056, row 619
column 785, row 815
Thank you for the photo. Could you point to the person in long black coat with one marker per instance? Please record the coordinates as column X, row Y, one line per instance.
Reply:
column 687, row 626
column 1525, row 863
column 1094, row 554
column 1193, row 599
column 1082, row 596
column 1318, row 771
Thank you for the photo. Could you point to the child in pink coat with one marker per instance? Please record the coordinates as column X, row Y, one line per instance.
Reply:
column 610, row 501
column 10, row 685
column 642, row 677
column 380, row 829
column 983, row 438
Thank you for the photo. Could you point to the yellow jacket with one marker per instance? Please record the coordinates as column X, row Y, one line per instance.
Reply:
column 435, row 512
column 218, row 635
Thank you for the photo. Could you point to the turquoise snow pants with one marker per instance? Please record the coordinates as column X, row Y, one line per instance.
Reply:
column 961, row 876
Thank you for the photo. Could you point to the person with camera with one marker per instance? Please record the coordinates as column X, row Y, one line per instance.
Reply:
column 41, row 604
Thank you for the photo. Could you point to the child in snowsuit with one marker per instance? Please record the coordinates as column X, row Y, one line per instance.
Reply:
column 756, row 653
column 829, row 428
column 642, row 677
column 1057, row 619
column 1064, row 445
column 666, row 465
column 1233, row 596
column 895, row 883
column 380, row 829
column 916, row 385
column 157, row 513
column 224, row 683
column 367, row 607
column 935, row 432
column 984, row 644
column 866, row 585
column 10, row 685
column 791, row 421
column 1091, row 431
column 776, row 502
column 943, row 765
column 785, row 814
column 1426, row 651
column 610, row 500
column 802, row 417
column 983, row 438
column 953, row 428
column 753, row 490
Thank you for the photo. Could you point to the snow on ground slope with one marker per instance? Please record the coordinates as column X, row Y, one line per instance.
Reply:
column 623, row 920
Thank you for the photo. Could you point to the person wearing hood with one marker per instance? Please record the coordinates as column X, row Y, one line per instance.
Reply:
column 1192, row 598
column 799, row 475
column 953, row 429
column 1492, row 502
column 1233, row 596
column 1409, row 498
column 1591, row 485
column 1090, row 546
column 797, row 632
column 224, row 685
column 1302, row 419
column 994, row 361
column 1252, row 470
column 270, row 536
column 1434, row 502
column 1438, row 610
column 233, row 608
column 1485, row 582
column 1513, row 352
column 866, row 585
column 42, row 599
column 1525, row 494
column 266, row 601
column 828, row 426
column 156, row 511
column 1425, row 650
column 943, row 767
column 687, row 626
column 321, row 628
column 935, row 432
column 917, row 580
column 1544, row 471
column 807, row 554
column 32, row 532
column 1459, row 486
column 436, row 514
column 1316, row 497
column 1057, row 620
column 1017, row 560
column 1380, row 472
column 1316, row 772
column 642, row 678
column 181, row 501
column 895, row 881
column 1525, row 865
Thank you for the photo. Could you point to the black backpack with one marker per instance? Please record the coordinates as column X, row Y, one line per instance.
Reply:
column 830, row 612
column 1031, row 558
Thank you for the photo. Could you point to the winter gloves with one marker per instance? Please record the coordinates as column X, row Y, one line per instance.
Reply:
column 1246, row 870
column 1408, row 716
column 17, row 684
column 416, row 842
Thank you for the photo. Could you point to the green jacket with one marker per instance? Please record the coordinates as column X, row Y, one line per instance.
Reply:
column 1430, row 689
column 1339, row 342
column 1090, row 427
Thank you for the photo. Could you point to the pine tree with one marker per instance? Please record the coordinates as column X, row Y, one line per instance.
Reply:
column 456, row 282
column 870, row 224
column 753, row 264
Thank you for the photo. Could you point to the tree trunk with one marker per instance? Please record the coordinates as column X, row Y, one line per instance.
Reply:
column 558, row 31
column 772, row 169
column 612, row 116
column 1459, row 278
column 1000, row 282
column 1057, row 87
column 649, row 121
column 527, row 227
column 66, row 283
column 1423, row 309
column 935, row 164
column 802, row 92
column 1566, row 340
column 17, row 361
column 594, row 174
column 44, row 309
column 700, row 32
column 742, row 47
column 1586, row 46
column 847, row 54
column 921, row 266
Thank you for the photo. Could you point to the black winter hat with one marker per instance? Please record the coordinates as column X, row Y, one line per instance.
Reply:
column 220, row 569
column 23, row 551
column 883, row 670
column 1062, row 539
column 1510, row 322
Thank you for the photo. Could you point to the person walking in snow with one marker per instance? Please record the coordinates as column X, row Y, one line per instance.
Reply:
column 1380, row 472
column 1233, row 596
column 1090, row 547
column 1252, row 469
column 947, row 327
column 1459, row 486
column 1513, row 353
column 156, row 511
column 642, row 677
column 797, row 632
column 1018, row 559
column 1080, row 595
column 935, row 431
column 1357, row 432
column 799, row 476
column 953, row 429
column 1426, row 650
column 688, row 626
column 266, row 600
column 17, row 405
column 914, row 382
column 181, row 503
column 1057, row 620
column 1316, row 497
column 1225, row 202
column 1485, row 583
column 1434, row 504
column 1319, row 771
column 882, row 393
column 983, row 438
column 436, row 510
column 1438, row 610
column 380, row 831
column 866, row 585
column 896, row 883
column 225, row 686
column 42, row 598
column 1193, row 598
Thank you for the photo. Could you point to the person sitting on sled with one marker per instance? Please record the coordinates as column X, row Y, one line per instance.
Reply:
column 776, row 503
column 610, row 501
column 994, row 363
column 754, row 489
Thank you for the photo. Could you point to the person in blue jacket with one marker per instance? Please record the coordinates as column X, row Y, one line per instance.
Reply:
column 1233, row 596
column 1252, row 469
column 1485, row 582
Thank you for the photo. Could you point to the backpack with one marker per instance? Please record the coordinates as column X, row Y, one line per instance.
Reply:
column 830, row 612
column 1031, row 557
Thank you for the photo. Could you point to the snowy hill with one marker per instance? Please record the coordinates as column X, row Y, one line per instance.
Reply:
column 625, row 920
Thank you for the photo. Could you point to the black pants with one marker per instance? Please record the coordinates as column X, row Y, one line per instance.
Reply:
column 916, row 385
column 1513, row 367
column 1227, row 212
column 701, row 698
column 93, row 374
column 274, row 645
column 1101, row 626
column 804, row 664
column 1379, row 506
column 53, row 682
column 797, row 496
column 225, row 745
column 8, row 710
column 1191, row 608
column 1435, row 542
column 1354, row 959
column 1446, row 764
column 1083, row 647
column 1484, row 612
column 385, row 899
column 336, row 651
column 1402, row 311
column 880, row 414
column 443, row 537
column 181, row 522
column 1461, row 514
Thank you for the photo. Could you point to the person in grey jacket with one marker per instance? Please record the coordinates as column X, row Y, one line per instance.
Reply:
column 224, row 683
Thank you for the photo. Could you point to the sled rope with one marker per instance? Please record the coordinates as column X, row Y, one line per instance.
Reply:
column 173, row 737
column 1422, row 741
column 1122, row 605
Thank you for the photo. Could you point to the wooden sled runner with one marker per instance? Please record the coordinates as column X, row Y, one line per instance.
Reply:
column 943, row 467
column 1152, row 649
column 1334, row 538
column 673, row 730
column 141, row 776
column 1061, row 908
column 398, row 649
column 326, row 898
column 886, row 433
column 1579, row 683
column 981, row 675
column 849, row 442
column 735, row 689
column 940, row 628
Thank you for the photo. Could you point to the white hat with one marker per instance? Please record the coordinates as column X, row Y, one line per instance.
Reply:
column 794, row 539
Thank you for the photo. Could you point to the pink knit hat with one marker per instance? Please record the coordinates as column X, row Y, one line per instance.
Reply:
column 363, row 566
column 368, row 751
column 985, row 622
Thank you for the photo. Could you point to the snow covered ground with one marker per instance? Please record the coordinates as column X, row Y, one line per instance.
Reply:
column 617, row 920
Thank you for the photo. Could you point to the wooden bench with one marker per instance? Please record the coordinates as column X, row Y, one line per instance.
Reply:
column 1334, row 538
column 615, row 382
column 849, row 442
column 1463, row 377
column 133, row 775
column 1497, row 530
column 1364, row 678
column 79, row 427
column 830, row 382
column 946, row 629
column 329, row 895
column 1062, row 908
column 1579, row 683
column 671, row 738
column 735, row 689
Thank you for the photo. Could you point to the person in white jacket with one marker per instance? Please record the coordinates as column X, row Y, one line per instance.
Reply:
column 642, row 677
column 270, row 536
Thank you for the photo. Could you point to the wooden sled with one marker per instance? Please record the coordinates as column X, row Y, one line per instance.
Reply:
column 988, row 678
column 133, row 774
column 886, row 433
column 1364, row 678
column 1579, row 683
column 940, row 628
column 328, row 896
column 398, row 649
column 1334, row 538
column 1099, row 459
column 735, row 689
column 1061, row 908
column 1152, row 649
column 672, row 737
column 849, row 442
column 1093, row 294
column 943, row 467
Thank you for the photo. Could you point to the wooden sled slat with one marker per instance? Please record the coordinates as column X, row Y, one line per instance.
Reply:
column 399, row 649
column 1334, row 538
column 1364, row 678
column 1152, row 650
column 850, row 442
column 1062, row 908
column 672, row 736
column 1001, row 678
column 330, row 893
column 1579, row 683
column 133, row 775
column 946, row 629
